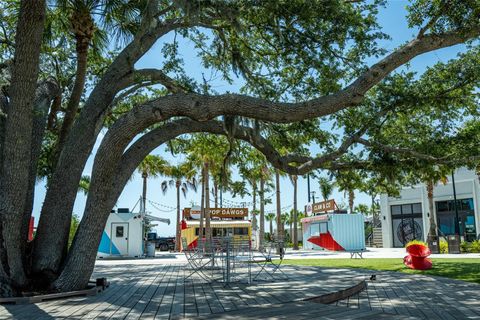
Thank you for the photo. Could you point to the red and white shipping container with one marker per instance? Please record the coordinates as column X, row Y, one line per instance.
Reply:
column 334, row 231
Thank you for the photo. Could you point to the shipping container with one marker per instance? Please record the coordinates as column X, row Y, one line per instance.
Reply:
column 334, row 231
column 124, row 234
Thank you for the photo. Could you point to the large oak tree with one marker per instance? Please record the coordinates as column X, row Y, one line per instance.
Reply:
column 301, row 62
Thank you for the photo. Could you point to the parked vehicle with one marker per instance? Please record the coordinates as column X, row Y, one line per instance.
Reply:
column 161, row 243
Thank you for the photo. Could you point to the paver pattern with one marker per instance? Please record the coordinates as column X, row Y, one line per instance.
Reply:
column 156, row 290
column 424, row 297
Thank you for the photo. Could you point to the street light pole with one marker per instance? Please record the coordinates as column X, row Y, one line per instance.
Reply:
column 457, row 222
column 308, row 186
column 313, row 196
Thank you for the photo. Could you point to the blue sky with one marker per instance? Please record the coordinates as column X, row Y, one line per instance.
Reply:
column 392, row 19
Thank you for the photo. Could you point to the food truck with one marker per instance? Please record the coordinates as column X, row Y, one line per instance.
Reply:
column 225, row 222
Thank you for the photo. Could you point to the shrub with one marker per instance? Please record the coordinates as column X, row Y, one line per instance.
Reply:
column 475, row 246
column 443, row 246
column 464, row 247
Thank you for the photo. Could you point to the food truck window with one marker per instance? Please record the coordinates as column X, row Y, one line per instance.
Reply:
column 241, row 231
column 119, row 232
column 197, row 231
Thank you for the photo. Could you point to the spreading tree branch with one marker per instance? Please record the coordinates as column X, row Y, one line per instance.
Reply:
column 415, row 154
column 158, row 76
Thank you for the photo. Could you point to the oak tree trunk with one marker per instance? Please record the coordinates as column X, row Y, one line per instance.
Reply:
column 15, row 169
column 45, row 263
column 45, row 93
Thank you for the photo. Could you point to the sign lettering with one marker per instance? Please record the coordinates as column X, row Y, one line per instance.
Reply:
column 217, row 213
column 323, row 206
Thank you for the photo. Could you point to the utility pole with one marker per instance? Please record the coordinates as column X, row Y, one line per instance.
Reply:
column 221, row 196
column 308, row 186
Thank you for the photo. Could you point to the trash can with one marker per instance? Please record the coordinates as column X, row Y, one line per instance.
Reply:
column 433, row 244
column 151, row 249
column 453, row 243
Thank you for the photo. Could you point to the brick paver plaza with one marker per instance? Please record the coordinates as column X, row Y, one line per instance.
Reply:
column 155, row 289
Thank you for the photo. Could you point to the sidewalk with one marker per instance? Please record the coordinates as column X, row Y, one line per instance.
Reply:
column 370, row 253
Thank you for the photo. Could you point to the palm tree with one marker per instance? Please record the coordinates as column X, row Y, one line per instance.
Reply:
column 254, row 168
column 270, row 217
column 430, row 176
column 293, row 214
column 429, row 185
column 285, row 219
column 300, row 216
column 363, row 209
column 183, row 178
column 348, row 181
column 280, row 230
column 326, row 187
column 206, row 152
column 151, row 166
column 77, row 19
column 254, row 214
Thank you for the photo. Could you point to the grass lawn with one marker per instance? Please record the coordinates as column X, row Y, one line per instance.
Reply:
column 461, row 269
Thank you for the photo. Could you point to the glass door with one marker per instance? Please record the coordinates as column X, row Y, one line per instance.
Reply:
column 407, row 224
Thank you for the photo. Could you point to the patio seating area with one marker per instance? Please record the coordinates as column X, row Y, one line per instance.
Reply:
column 226, row 260
column 156, row 289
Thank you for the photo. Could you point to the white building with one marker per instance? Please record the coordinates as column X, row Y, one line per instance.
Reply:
column 405, row 218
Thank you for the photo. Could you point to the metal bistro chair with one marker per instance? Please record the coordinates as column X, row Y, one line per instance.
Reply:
column 271, row 259
column 204, row 259
column 197, row 260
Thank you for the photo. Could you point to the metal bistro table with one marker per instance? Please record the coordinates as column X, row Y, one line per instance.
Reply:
column 236, row 259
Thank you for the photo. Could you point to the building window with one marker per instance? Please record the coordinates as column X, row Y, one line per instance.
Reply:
column 119, row 232
column 446, row 218
column 407, row 224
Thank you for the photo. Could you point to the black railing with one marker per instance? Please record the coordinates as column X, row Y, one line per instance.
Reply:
column 369, row 237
